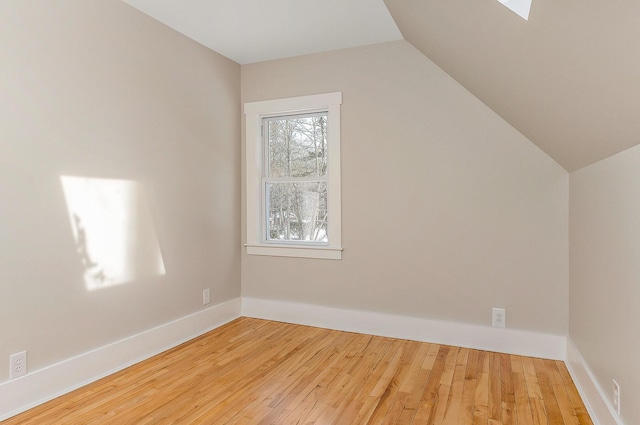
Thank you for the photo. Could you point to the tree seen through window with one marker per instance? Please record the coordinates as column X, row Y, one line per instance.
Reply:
column 296, row 180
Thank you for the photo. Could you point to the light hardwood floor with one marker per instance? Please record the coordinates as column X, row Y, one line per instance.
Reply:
column 260, row 372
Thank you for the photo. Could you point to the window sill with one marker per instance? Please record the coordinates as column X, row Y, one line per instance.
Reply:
column 324, row 253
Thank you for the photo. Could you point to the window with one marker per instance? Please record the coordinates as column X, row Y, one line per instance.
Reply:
column 521, row 7
column 293, row 177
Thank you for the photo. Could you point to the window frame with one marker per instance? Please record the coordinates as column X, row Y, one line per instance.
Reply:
column 255, row 112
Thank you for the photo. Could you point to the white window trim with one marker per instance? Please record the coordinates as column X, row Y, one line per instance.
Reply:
column 254, row 113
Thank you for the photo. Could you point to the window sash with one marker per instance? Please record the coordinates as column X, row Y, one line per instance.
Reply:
column 264, row 129
column 267, row 219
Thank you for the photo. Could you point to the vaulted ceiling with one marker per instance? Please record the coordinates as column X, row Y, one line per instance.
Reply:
column 568, row 78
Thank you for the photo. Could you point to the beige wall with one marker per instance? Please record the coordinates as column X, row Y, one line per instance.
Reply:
column 97, row 89
column 604, row 266
column 447, row 210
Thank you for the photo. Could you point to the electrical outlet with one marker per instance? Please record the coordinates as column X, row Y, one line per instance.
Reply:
column 499, row 317
column 616, row 397
column 206, row 297
column 17, row 365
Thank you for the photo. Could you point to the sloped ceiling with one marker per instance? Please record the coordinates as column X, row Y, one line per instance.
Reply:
column 568, row 78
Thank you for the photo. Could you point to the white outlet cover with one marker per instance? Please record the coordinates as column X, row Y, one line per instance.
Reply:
column 17, row 365
column 499, row 317
column 616, row 397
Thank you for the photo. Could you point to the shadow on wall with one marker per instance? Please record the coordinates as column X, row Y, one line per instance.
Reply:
column 113, row 230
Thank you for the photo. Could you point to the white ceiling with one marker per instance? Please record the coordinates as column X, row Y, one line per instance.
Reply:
column 248, row 31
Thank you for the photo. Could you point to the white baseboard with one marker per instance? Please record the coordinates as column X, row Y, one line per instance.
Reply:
column 45, row 384
column 488, row 338
column 594, row 398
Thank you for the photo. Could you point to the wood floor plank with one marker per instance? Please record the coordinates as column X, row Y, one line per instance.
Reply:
column 481, row 415
column 472, row 365
column 551, row 406
column 523, row 407
column 538, row 412
column 454, row 402
column 465, row 416
column 562, row 396
column 414, row 384
column 495, row 388
column 444, row 390
column 576, row 401
column 482, row 391
column 258, row 372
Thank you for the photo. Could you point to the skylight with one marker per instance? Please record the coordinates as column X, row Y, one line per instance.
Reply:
column 521, row 7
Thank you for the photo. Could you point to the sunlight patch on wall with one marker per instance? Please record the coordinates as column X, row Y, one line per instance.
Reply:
column 113, row 230
column 521, row 7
